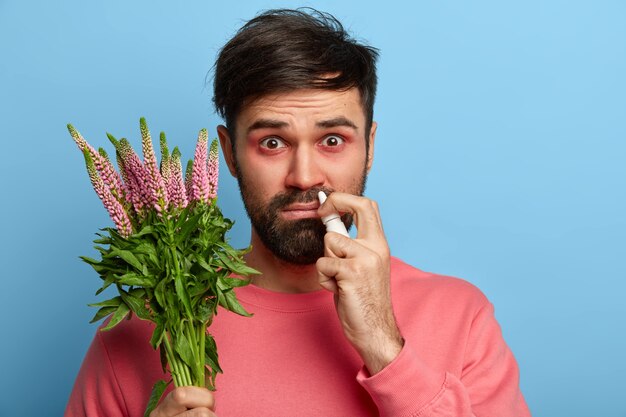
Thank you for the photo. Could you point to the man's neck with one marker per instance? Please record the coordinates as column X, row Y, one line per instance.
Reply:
column 278, row 275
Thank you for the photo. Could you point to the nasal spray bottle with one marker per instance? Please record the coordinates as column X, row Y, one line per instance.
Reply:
column 332, row 222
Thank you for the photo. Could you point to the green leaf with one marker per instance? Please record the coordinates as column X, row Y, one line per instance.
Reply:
column 210, row 354
column 157, row 335
column 206, row 310
column 121, row 312
column 132, row 278
column 228, row 300
column 237, row 267
column 157, row 392
column 129, row 257
column 163, row 358
column 102, row 313
column 144, row 231
column 200, row 260
column 183, row 348
column 205, row 281
column 110, row 279
column 148, row 249
column 102, row 250
column 181, row 291
column 88, row 260
column 187, row 227
column 98, row 266
column 159, row 293
column 235, row 282
column 172, row 312
column 182, row 217
column 136, row 304
column 103, row 241
column 113, row 302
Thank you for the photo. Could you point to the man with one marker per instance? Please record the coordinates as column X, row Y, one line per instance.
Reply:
column 340, row 328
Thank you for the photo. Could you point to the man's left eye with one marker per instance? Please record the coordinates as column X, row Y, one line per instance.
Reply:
column 332, row 141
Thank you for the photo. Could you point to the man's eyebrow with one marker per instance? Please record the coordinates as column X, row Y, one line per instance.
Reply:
column 325, row 124
column 336, row 122
column 267, row 124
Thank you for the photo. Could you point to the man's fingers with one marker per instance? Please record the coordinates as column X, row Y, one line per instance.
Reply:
column 329, row 284
column 193, row 397
column 184, row 400
column 365, row 211
column 198, row 412
column 327, row 269
column 338, row 246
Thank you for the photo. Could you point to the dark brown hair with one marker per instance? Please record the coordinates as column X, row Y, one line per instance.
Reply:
column 284, row 50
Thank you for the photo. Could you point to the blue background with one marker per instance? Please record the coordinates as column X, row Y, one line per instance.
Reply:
column 500, row 158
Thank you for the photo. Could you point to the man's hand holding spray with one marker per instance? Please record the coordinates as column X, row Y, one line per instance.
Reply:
column 357, row 271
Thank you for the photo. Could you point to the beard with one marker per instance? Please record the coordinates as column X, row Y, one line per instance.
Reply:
column 298, row 242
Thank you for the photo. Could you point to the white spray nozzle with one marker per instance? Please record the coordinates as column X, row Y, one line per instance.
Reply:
column 333, row 221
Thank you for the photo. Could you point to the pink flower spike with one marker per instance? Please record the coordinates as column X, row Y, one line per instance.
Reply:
column 102, row 164
column 113, row 207
column 188, row 175
column 110, row 176
column 166, row 169
column 83, row 145
column 213, row 169
column 199, row 179
column 176, row 187
column 78, row 138
column 156, row 189
column 135, row 176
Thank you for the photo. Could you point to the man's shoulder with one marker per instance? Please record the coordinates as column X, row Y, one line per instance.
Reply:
column 130, row 332
column 409, row 280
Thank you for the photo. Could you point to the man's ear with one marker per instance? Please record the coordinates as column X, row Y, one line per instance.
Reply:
column 370, row 151
column 227, row 149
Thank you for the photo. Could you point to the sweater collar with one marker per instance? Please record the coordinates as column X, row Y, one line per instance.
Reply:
column 285, row 302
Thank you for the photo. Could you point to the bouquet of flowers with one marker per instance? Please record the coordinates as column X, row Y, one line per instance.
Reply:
column 167, row 255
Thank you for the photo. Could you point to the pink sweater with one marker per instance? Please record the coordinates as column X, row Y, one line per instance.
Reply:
column 292, row 359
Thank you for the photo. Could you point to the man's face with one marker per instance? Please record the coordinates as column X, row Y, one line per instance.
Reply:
column 289, row 147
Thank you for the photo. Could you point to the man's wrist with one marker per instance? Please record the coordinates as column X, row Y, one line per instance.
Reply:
column 378, row 355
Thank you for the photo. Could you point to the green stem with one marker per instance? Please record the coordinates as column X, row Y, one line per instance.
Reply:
column 200, row 360
column 188, row 379
column 171, row 359
column 191, row 335
column 188, row 376
column 176, row 365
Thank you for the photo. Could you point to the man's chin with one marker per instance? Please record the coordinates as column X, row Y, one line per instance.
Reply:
column 299, row 242
column 297, row 258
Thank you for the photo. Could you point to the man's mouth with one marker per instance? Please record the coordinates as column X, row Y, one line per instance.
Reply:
column 297, row 211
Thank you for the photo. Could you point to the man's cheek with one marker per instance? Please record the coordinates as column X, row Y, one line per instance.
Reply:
column 264, row 180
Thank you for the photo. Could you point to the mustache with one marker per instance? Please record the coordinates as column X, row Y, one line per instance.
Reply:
column 282, row 200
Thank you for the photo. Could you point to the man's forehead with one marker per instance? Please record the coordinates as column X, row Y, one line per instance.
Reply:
column 327, row 108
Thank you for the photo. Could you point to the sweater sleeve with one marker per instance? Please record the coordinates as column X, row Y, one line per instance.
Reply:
column 96, row 391
column 487, row 386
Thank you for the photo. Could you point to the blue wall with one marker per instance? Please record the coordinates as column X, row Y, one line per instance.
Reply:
column 500, row 159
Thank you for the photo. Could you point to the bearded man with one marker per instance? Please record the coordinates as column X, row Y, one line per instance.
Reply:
column 340, row 327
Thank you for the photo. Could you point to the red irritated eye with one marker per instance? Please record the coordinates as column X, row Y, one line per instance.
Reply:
column 332, row 141
column 272, row 143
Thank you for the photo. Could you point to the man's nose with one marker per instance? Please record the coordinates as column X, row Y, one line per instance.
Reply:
column 304, row 171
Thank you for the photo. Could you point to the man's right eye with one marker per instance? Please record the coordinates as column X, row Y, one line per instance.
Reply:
column 272, row 143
